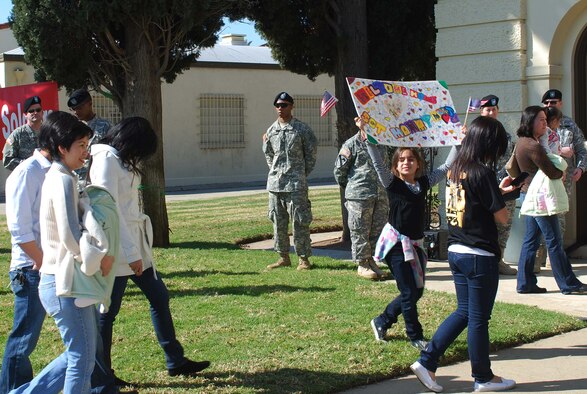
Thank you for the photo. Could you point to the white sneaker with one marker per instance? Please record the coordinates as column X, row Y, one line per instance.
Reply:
column 505, row 384
column 424, row 377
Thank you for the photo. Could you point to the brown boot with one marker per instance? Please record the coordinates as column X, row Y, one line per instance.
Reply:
column 375, row 268
column 365, row 270
column 540, row 259
column 283, row 261
column 505, row 269
column 304, row 264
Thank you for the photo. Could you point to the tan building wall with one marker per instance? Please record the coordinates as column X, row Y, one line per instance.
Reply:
column 188, row 163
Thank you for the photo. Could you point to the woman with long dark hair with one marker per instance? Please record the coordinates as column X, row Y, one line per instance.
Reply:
column 531, row 157
column 115, row 166
column 474, row 203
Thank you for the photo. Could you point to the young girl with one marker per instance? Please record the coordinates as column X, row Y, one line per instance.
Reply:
column 474, row 203
column 400, row 243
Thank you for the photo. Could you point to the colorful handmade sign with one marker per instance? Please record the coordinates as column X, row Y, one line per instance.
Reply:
column 400, row 113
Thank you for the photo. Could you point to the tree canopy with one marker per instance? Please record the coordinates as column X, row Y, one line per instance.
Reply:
column 126, row 47
column 86, row 42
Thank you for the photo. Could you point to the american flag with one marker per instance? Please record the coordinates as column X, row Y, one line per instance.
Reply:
column 328, row 101
column 474, row 104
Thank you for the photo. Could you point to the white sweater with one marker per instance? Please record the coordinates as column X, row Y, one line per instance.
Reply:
column 136, row 233
column 59, row 218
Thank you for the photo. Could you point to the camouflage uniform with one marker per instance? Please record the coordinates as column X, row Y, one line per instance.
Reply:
column 366, row 199
column 19, row 146
column 100, row 127
column 503, row 230
column 290, row 152
column 571, row 135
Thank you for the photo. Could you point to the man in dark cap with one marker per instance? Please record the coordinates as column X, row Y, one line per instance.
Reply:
column 572, row 141
column 80, row 102
column 23, row 141
column 490, row 107
column 290, row 150
column 570, row 136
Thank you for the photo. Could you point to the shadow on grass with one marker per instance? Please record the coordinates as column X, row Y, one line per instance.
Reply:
column 204, row 245
column 5, row 250
column 202, row 273
column 252, row 291
column 285, row 380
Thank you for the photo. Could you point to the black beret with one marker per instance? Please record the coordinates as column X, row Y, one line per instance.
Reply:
column 489, row 101
column 30, row 101
column 283, row 96
column 78, row 97
column 552, row 94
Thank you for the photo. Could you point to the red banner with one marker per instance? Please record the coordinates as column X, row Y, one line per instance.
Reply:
column 11, row 104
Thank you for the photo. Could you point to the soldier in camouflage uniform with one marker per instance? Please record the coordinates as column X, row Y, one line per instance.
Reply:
column 489, row 107
column 80, row 102
column 366, row 201
column 23, row 141
column 571, row 137
column 290, row 150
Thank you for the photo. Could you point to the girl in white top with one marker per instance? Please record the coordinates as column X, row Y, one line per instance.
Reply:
column 115, row 166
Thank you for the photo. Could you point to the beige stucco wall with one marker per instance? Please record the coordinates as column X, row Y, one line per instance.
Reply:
column 515, row 49
column 481, row 50
column 186, row 163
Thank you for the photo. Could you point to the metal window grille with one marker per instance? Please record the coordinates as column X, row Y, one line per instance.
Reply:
column 105, row 108
column 307, row 109
column 222, row 121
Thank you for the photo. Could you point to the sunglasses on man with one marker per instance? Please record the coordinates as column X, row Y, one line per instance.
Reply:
column 281, row 105
column 554, row 102
column 37, row 110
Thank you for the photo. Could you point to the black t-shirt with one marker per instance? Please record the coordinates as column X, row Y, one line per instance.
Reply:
column 407, row 209
column 469, row 212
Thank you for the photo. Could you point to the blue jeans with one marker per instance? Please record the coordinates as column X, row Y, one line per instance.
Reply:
column 26, row 329
column 71, row 371
column 561, row 267
column 405, row 303
column 156, row 292
column 476, row 278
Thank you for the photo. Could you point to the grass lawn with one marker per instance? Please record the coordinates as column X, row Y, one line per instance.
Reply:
column 270, row 332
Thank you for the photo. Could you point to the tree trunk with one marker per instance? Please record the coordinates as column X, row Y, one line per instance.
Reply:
column 353, row 61
column 142, row 97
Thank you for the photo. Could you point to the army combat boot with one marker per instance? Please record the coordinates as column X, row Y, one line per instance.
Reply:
column 375, row 268
column 283, row 261
column 304, row 263
column 505, row 269
column 365, row 270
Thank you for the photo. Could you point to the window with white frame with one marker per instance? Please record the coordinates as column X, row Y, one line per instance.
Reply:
column 222, row 121
column 105, row 108
column 307, row 109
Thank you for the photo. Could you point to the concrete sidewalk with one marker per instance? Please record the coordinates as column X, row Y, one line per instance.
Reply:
column 557, row 364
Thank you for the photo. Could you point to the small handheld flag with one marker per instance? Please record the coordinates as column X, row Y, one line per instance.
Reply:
column 328, row 101
column 474, row 104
